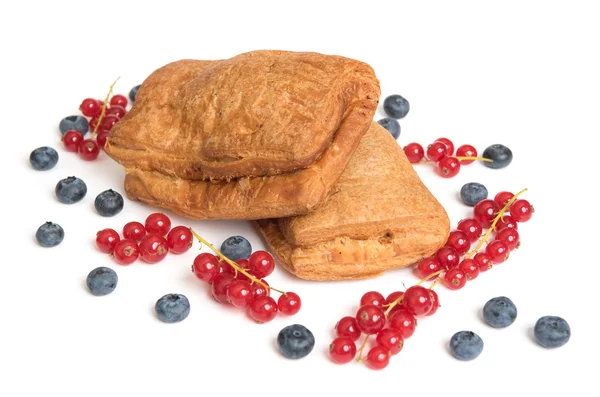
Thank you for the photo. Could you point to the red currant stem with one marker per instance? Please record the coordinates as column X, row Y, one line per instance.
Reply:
column 485, row 237
column 234, row 265
column 436, row 282
column 362, row 348
column 104, row 107
column 432, row 275
column 474, row 158
column 393, row 304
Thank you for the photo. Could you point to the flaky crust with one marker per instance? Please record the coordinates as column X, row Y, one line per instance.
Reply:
column 379, row 216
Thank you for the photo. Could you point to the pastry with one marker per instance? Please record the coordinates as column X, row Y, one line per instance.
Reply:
column 264, row 134
column 378, row 216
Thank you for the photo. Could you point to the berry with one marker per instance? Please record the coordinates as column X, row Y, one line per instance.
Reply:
column 502, row 198
column 126, row 251
column 106, row 240
column 116, row 110
column 436, row 303
column 509, row 236
column 390, row 339
column 455, row 279
column 470, row 268
column 133, row 93
column 262, row 309
column 447, row 257
column 172, row 308
column 449, row 167
column 289, row 303
column 102, row 281
column 393, row 297
column 427, row 267
column 471, row 227
column 93, row 123
column 158, row 223
column 484, row 262
column 88, row 150
column 449, row 145
column 76, row 122
column 436, row 151
column 220, row 285
column 466, row 345
column 236, row 247
column 134, row 230
column 472, row 193
column 70, row 190
column 71, row 140
column 118, row 100
column 392, row 125
column 417, row 300
column 499, row 312
column 500, row 154
column 153, row 248
column 108, row 122
column 43, row 158
column 101, row 139
column 403, row 321
column 342, row 350
column 206, row 267
column 552, row 331
column 466, row 151
column 49, row 234
column 239, row 293
column 295, row 341
column 459, row 241
column 90, row 107
column 370, row 319
column 507, row 221
column 378, row 357
column 372, row 298
column 485, row 211
column 180, row 239
column 261, row 264
column 521, row 210
column 259, row 290
column 109, row 203
column 348, row 327
column 414, row 152
column 497, row 251
column 396, row 106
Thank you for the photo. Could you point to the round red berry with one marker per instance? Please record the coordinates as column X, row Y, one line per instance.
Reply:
column 342, row 350
column 289, row 303
column 348, row 327
column 220, row 285
column 497, row 251
column 484, row 262
column 507, row 221
column 470, row 268
column 153, row 248
column 509, row 236
column 417, row 300
column 88, row 150
column 90, row 107
column 118, row 100
column 372, row 298
column 370, row 319
column 404, row 321
column 459, row 241
column 391, row 339
column 71, row 140
column 471, row 227
column 436, row 151
column 427, row 267
column 502, row 198
column 93, row 123
column 206, row 267
column 225, row 267
column 259, row 290
column 466, row 151
column 414, row 152
column 101, row 138
column 436, row 302
column 158, row 223
column 180, row 239
column 485, row 211
column 126, row 252
column 239, row 293
column 262, row 309
column 521, row 210
column 449, row 145
column 106, row 240
column 449, row 167
column 378, row 357
column 447, row 257
column 108, row 121
column 261, row 263
column 116, row 110
column 393, row 297
column 134, row 230
column 455, row 279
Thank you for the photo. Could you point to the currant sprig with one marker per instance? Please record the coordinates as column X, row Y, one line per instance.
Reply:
column 104, row 107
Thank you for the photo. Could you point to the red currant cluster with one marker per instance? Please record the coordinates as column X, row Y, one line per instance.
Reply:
column 146, row 241
column 441, row 152
column 242, row 284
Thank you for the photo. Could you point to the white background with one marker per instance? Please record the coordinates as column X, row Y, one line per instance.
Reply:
column 525, row 74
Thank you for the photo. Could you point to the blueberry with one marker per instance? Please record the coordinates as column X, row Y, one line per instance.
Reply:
column 295, row 341
column 501, row 155
column 50, row 234
column 396, row 106
column 236, row 247
column 43, row 158
column 70, row 190
column 466, row 345
column 109, row 203
column 172, row 308
column 500, row 312
column 102, row 281
column 78, row 123
column 552, row 331
column 393, row 126
column 472, row 193
column 133, row 93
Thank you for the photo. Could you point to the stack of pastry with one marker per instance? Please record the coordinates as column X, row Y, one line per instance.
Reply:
column 285, row 139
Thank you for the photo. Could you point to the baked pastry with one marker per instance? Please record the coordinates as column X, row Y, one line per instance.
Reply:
column 260, row 135
column 378, row 216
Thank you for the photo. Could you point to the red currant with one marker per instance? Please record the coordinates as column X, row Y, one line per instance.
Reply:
column 459, row 241
column 342, row 350
column 449, row 145
column 134, row 230
column 391, row 339
column 348, row 327
column 206, row 267
column 126, row 252
column 261, row 263
column 502, row 198
column 466, row 151
column 507, row 221
column 239, row 293
column 153, row 248
column 391, row 298
column 521, row 210
column 259, row 290
column 404, row 321
column 436, row 151
column 485, row 211
column 372, row 298
column 471, row 227
column 101, row 138
column 118, row 100
column 180, row 239
column 378, row 357
column 71, row 140
column 449, row 167
column 90, row 107
column 227, row 268
column 262, row 309
column 497, row 251
column 93, row 123
column 220, row 285
column 158, row 223
column 484, row 262
column 417, row 300
column 447, row 257
column 106, row 240
column 108, row 121
column 370, row 319
column 427, row 267
column 470, row 268
column 436, row 302
column 510, row 237
column 243, row 263
column 116, row 110
column 414, row 152
column 88, row 150
column 289, row 303
column 455, row 279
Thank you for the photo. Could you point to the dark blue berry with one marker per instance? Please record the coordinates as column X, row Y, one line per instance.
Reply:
column 172, row 308
column 393, row 126
column 295, row 341
column 133, row 93
column 500, row 312
column 78, row 123
column 396, row 106
column 552, row 331
column 500, row 154
column 466, row 345
column 70, row 190
column 109, row 203
column 50, row 234
column 236, row 247
column 43, row 158
column 471, row 193
column 102, row 281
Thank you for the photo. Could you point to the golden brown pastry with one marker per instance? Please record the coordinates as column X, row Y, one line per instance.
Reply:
column 260, row 135
column 378, row 216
